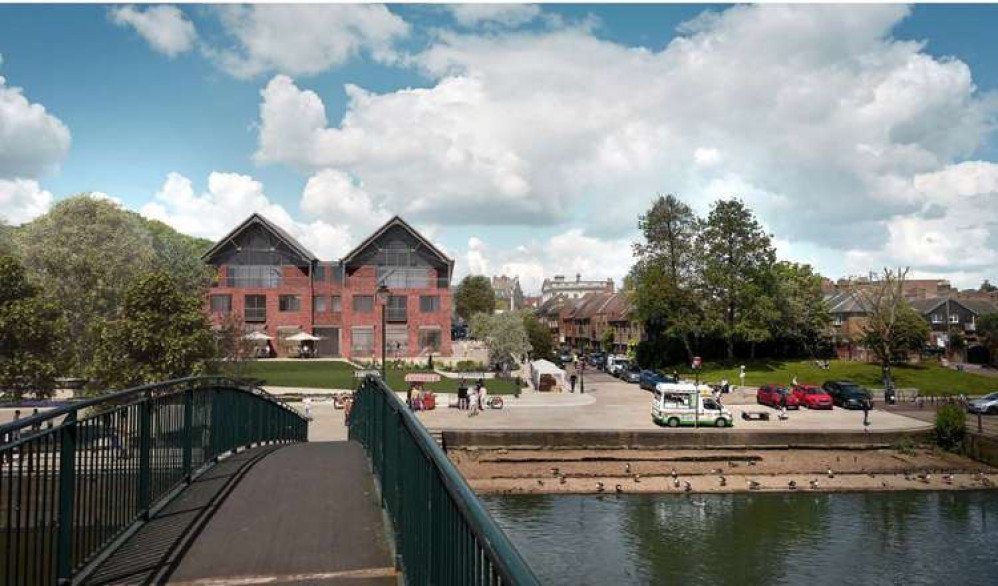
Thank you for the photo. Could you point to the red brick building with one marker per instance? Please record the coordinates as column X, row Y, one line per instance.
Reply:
column 274, row 285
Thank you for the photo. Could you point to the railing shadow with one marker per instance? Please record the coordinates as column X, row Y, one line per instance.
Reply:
column 153, row 553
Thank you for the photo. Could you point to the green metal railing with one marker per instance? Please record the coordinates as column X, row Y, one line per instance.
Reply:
column 442, row 532
column 74, row 481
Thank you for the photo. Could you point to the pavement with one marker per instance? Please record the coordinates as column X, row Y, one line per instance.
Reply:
column 295, row 514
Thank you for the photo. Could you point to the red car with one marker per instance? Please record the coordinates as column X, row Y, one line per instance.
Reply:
column 813, row 397
column 777, row 396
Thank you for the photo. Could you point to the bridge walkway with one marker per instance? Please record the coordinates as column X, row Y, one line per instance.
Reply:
column 294, row 514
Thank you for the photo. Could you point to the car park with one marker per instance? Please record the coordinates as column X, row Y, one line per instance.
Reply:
column 812, row 396
column 776, row 396
column 848, row 395
column 986, row 405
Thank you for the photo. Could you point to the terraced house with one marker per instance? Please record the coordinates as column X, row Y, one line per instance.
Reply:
column 273, row 285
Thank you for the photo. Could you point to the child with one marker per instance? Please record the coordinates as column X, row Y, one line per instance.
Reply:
column 473, row 402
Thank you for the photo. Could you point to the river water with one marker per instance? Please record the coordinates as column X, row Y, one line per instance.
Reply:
column 903, row 538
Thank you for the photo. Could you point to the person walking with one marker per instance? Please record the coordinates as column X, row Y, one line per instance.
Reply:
column 462, row 395
column 741, row 375
column 307, row 403
column 571, row 382
column 866, row 413
column 483, row 395
column 473, row 402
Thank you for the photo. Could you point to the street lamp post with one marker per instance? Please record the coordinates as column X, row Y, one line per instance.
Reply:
column 383, row 296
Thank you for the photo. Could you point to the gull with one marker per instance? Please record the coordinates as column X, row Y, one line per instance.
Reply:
column 724, row 481
column 619, row 489
column 637, row 478
column 687, row 486
column 599, row 487
column 814, row 484
column 674, row 473
column 792, row 485
column 628, row 468
column 830, row 473
column 562, row 480
column 675, row 483
column 753, row 485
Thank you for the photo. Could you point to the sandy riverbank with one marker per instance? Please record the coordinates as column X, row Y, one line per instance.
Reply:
column 702, row 471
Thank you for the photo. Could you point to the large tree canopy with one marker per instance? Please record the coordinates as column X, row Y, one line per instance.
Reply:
column 801, row 314
column 85, row 251
column 160, row 332
column 893, row 327
column 30, row 331
column 539, row 336
column 474, row 295
column 504, row 335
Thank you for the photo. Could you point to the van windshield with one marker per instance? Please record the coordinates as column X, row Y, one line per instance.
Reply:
column 710, row 404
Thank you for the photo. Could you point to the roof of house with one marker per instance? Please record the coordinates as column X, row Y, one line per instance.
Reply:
column 398, row 221
column 256, row 218
column 843, row 302
column 976, row 306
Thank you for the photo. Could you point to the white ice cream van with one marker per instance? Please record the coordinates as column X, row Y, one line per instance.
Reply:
column 678, row 404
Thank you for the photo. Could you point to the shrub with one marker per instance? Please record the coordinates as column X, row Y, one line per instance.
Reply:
column 951, row 425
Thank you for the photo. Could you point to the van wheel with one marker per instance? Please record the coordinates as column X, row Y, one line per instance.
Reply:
column 721, row 422
column 672, row 422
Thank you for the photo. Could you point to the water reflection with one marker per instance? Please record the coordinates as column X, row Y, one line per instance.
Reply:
column 747, row 539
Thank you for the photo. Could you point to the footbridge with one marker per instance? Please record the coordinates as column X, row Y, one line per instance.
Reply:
column 206, row 481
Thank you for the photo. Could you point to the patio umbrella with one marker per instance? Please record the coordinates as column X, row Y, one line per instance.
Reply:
column 257, row 337
column 303, row 337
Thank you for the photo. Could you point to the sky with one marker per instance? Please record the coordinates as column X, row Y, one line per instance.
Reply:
column 523, row 139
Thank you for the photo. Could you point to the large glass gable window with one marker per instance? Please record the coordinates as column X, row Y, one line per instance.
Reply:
column 250, row 276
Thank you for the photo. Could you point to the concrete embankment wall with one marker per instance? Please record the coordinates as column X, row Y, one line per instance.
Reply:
column 679, row 439
column 982, row 448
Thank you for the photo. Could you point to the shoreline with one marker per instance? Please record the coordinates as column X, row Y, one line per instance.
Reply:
column 690, row 471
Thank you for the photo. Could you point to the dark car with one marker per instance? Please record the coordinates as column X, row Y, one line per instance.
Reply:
column 848, row 395
column 647, row 379
column 631, row 375
column 776, row 396
column 597, row 358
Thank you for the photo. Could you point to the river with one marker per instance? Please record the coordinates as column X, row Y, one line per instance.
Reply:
column 903, row 538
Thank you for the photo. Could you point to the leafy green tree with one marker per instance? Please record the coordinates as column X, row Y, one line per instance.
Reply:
column 6, row 237
column 85, row 251
column 474, row 295
column 893, row 327
column 160, row 333
column 504, row 335
column 607, row 339
column 233, row 351
column 987, row 287
column 801, row 313
column 30, row 331
column 737, row 257
column 666, row 276
column 539, row 337
column 987, row 331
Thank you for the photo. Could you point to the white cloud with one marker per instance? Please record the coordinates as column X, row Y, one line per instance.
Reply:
column 32, row 141
column 335, row 197
column 304, row 39
column 166, row 28
column 22, row 200
column 507, row 15
column 816, row 115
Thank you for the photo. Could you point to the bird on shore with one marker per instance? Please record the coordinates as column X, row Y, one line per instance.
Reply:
column 554, row 471
column 619, row 489
column 637, row 478
column 883, row 483
column 792, row 485
column 753, row 485
column 540, row 482
column 675, row 483
column 628, row 468
column 732, row 464
column 599, row 487
column 674, row 473
column 562, row 480
column 717, row 471
column 724, row 481
column 948, row 478
column 924, row 477
column 814, row 484
column 687, row 486
column 830, row 473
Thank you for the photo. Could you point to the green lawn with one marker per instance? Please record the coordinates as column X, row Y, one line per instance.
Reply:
column 928, row 377
column 339, row 375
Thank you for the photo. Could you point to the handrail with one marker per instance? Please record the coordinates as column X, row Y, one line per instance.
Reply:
column 73, row 490
column 444, row 533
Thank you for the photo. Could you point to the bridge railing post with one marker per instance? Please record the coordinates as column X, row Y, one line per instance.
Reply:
column 188, row 432
column 67, row 497
column 145, row 453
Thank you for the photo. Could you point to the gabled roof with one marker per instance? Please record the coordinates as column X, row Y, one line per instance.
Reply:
column 844, row 302
column 975, row 306
column 397, row 221
column 255, row 219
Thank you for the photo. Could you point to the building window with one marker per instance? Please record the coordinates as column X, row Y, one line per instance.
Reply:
column 320, row 273
column 255, row 308
column 936, row 318
column 264, row 277
column 362, row 341
column 289, row 303
column 363, row 303
column 319, row 304
column 337, row 304
column 396, row 310
column 396, row 341
column 954, row 318
column 429, row 303
column 221, row 303
column 838, row 320
column 429, row 340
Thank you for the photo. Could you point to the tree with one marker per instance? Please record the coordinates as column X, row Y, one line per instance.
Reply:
column 504, row 335
column 666, row 275
column 233, row 350
column 85, row 251
column 987, row 287
column 160, row 333
column 987, row 331
column 737, row 260
column 474, row 295
column 30, row 330
column 539, row 337
column 893, row 328
column 801, row 314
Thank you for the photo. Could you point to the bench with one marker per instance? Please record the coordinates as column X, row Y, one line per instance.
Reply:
column 755, row 415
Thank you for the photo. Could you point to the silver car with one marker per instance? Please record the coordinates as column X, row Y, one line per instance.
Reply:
column 988, row 404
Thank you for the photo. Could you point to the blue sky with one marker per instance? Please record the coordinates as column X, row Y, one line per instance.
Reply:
column 525, row 139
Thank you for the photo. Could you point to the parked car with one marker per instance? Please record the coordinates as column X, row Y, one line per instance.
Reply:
column 631, row 375
column 812, row 397
column 620, row 366
column 776, row 396
column 597, row 358
column 848, row 395
column 564, row 357
column 988, row 405
column 647, row 379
